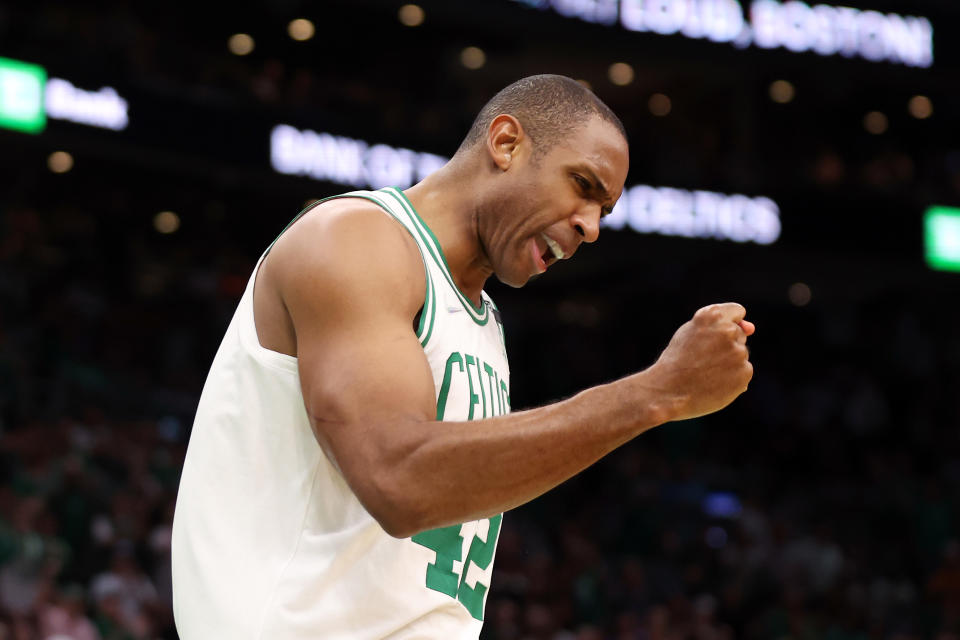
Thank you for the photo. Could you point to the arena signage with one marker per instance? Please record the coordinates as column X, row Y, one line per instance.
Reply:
column 103, row 108
column 768, row 24
column 21, row 96
column 28, row 98
column 696, row 214
column 323, row 156
column 942, row 238
column 645, row 209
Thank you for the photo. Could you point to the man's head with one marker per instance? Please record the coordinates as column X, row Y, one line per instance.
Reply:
column 549, row 108
column 551, row 160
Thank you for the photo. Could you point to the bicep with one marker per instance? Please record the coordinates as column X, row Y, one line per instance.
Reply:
column 361, row 377
column 362, row 369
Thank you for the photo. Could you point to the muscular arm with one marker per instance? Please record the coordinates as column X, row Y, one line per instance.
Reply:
column 352, row 282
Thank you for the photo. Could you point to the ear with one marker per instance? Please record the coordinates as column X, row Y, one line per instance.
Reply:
column 505, row 140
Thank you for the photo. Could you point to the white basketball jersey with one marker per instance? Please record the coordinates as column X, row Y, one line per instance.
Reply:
column 270, row 543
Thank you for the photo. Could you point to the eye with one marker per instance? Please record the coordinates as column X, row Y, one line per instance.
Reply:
column 582, row 182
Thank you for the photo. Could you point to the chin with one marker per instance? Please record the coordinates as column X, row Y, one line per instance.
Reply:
column 512, row 280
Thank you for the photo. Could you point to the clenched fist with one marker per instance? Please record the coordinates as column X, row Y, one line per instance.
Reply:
column 706, row 365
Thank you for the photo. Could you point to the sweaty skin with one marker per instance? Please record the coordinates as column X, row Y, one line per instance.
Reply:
column 342, row 286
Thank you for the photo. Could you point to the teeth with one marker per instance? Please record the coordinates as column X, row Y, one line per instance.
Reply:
column 554, row 247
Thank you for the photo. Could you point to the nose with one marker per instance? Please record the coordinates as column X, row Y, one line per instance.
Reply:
column 587, row 222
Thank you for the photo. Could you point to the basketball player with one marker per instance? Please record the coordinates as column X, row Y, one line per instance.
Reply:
column 353, row 450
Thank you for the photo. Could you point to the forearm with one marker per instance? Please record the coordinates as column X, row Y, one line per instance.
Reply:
column 414, row 474
column 431, row 474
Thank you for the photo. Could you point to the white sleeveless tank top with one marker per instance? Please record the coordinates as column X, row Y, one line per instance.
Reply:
column 270, row 543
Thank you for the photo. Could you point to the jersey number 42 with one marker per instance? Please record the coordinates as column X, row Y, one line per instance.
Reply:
column 448, row 544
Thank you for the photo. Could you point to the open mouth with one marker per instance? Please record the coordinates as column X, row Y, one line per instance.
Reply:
column 553, row 251
column 545, row 251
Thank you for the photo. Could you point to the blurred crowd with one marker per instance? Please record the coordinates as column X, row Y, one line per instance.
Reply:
column 91, row 444
column 823, row 504
column 106, row 331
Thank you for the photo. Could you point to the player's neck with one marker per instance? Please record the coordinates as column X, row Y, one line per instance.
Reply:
column 448, row 205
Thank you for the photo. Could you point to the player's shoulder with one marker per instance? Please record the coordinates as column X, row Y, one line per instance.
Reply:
column 346, row 228
column 349, row 240
column 339, row 219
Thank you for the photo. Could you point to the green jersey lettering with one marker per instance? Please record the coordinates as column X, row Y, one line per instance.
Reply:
column 448, row 543
column 493, row 389
column 474, row 398
column 483, row 393
column 445, row 385
column 480, row 554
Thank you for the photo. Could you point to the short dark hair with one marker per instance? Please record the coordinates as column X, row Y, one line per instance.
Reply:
column 549, row 108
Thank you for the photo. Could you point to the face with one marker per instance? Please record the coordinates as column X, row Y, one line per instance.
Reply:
column 546, row 207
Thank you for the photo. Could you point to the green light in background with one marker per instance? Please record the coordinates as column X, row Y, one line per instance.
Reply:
column 22, row 96
column 941, row 233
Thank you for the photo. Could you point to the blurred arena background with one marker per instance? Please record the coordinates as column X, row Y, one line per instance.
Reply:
column 801, row 159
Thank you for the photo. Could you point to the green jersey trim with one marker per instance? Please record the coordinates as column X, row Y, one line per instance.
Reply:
column 480, row 313
column 429, row 313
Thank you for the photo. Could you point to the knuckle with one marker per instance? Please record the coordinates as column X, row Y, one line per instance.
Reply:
column 736, row 306
column 708, row 315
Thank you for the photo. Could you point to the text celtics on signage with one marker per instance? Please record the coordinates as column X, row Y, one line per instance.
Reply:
column 642, row 208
